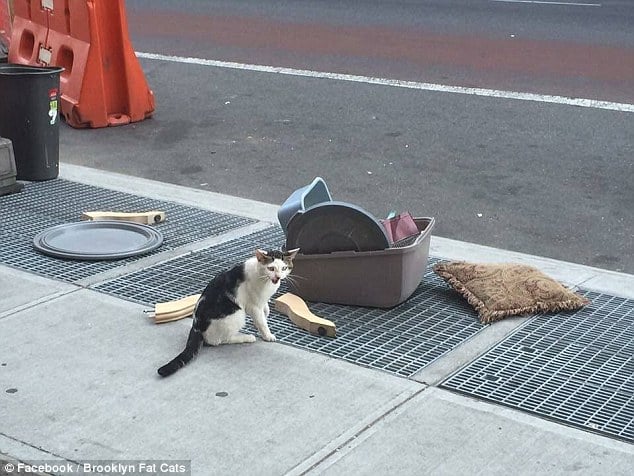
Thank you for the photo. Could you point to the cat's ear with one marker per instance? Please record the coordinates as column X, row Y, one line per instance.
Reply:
column 262, row 256
column 290, row 255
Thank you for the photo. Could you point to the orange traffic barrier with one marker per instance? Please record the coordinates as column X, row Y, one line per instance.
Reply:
column 28, row 32
column 5, row 21
column 102, row 83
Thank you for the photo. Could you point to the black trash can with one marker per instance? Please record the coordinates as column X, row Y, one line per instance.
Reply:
column 29, row 116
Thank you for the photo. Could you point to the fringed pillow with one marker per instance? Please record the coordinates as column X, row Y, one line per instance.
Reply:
column 499, row 290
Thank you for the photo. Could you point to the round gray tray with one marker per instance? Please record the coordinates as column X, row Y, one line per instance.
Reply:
column 335, row 226
column 98, row 240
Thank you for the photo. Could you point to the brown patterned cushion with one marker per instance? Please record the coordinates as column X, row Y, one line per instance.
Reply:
column 500, row 290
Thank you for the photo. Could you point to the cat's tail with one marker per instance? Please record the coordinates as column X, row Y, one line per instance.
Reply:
column 194, row 343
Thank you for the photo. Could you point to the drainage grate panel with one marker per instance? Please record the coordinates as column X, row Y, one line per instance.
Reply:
column 575, row 368
column 188, row 274
column 44, row 204
column 401, row 340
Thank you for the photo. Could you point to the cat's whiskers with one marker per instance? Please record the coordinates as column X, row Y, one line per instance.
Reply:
column 293, row 279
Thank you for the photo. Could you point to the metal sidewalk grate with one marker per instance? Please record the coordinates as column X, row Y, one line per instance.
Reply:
column 401, row 340
column 44, row 204
column 188, row 274
column 575, row 368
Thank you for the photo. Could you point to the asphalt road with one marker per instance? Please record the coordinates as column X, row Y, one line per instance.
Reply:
column 548, row 179
column 570, row 50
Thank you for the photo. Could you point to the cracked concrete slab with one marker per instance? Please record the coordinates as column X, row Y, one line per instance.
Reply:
column 438, row 432
column 80, row 382
column 22, row 289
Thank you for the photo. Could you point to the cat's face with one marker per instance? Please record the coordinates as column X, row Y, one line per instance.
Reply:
column 276, row 264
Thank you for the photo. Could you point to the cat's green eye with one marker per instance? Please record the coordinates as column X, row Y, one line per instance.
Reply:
column 284, row 268
column 270, row 268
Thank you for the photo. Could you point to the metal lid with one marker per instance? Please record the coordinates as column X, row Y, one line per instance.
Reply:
column 335, row 226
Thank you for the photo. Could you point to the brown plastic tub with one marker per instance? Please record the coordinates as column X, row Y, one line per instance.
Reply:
column 382, row 278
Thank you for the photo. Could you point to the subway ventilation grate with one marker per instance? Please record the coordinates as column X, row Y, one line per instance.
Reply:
column 188, row 274
column 401, row 340
column 44, row 204
column 575, row 368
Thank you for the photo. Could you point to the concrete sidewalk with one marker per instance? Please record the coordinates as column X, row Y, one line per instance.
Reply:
column 78, row 380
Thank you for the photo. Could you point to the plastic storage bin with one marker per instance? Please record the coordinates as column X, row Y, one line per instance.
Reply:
column 8, row 171
column 382, row 278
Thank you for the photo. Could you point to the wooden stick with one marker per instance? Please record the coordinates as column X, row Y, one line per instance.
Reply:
column 297, row 310
column 146, row 218
column 174, row 310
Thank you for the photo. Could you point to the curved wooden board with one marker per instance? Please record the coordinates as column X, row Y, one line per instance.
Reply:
column 296, row 309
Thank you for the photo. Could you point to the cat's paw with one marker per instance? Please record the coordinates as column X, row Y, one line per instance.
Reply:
column 269, row 337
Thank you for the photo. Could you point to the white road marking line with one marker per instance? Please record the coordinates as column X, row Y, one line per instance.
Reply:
column 544, row 2
column 494, row 93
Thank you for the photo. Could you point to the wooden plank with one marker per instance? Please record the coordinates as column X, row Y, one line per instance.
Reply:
column 296, row 309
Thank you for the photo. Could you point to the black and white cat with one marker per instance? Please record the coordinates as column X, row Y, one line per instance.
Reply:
column 220, row 312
